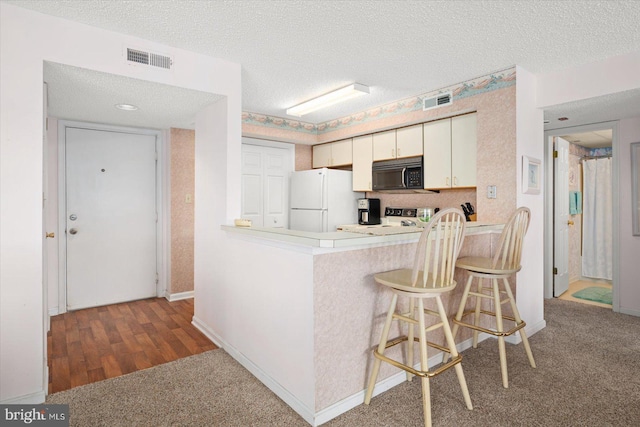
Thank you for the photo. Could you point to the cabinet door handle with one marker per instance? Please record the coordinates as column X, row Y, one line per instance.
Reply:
column 447, row 184
column 455, row 181
column 393, row 152
column 398, row 152
column 369, row 185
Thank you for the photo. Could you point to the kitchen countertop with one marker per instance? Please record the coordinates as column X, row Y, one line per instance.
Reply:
column 345, row 239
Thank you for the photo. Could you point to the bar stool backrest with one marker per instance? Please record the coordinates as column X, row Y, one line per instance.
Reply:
column 509, row 251
column 438, row 250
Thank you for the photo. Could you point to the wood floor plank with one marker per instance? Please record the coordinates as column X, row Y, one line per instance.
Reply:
column 111, row 366
column 150, row 349
column 90, row 349
column 141, row 360
column 95, row 375
column 94, row 344
column 61, row 379
column 77, row 365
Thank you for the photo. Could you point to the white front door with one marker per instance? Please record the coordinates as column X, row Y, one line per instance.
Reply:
column 110, row 217
column 561, row 216
column 265, row 185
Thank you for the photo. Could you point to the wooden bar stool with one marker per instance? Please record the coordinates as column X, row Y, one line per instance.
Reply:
column 505, row 262
column 431, row 276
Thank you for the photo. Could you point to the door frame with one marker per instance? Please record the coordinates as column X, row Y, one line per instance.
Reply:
column 548, row 203
column 162, row 201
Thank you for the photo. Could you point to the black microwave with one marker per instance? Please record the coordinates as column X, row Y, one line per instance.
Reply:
column 398, row 174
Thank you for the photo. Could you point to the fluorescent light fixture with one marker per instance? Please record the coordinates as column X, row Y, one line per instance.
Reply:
column 328, row 99
column 126, row 107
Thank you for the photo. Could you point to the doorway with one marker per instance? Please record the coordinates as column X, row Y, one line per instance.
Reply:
column 108, row 215
column 571, row 276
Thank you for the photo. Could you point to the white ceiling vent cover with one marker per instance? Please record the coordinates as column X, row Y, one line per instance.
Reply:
column 138, row 56
column 437, row 101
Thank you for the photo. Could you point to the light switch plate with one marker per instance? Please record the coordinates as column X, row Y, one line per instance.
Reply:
column 492, row 192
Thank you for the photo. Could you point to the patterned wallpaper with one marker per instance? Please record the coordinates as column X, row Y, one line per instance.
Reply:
column 182, row 215
column 283, row 126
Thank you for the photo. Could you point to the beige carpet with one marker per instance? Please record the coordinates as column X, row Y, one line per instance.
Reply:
column 588, row 375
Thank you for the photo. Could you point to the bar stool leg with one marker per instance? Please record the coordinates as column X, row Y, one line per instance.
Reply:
column 381, row 347
column 410, row 336
column 476, row 319
column 500, row 329
column 516, row 315
column 454, row 352
column 463, row 302
column 424, row 365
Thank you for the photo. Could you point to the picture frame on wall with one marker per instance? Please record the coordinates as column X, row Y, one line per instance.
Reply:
column 635, row 186
column 531, row 169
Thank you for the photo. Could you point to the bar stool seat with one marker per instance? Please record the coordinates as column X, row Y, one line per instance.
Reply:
column 504, row 263
column 430, row 278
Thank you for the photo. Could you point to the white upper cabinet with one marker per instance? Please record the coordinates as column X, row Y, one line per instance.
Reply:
column 409, row 141
column 362, row 161
column 384, row 145
column 342, row 153
column 398, row 143
column 337, row 153
column 464, row 148
column 450, row 147
column 321, row 155
column 437, row 154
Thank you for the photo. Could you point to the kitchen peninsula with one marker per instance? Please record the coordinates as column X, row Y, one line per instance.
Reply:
column 304, row 310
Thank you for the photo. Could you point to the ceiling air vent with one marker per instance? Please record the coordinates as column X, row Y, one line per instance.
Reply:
column 148, row 58
column 437, row 101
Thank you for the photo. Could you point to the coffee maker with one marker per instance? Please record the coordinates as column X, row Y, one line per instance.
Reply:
column 368, row 211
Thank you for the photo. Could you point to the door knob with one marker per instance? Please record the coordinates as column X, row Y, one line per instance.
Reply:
column 570, row 222
column 50, row 235
column 73, row 231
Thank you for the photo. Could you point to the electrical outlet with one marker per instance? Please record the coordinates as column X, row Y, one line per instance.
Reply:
column 492, row 192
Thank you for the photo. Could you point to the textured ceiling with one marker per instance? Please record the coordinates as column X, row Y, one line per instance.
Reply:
column 291, row 51
column 86, row 95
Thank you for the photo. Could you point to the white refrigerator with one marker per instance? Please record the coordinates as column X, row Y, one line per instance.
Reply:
column 322, row 199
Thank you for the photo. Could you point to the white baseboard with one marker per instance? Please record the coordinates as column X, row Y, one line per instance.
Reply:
column 28, row 399
column 178, row 296
column 303, row 410
column 630, row 312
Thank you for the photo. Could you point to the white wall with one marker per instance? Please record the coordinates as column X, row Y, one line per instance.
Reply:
column 529, row 134
column 629, row 285
column 26, row 40
column 612, row 75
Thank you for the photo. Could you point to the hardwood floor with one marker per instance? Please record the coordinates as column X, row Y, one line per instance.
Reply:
column 94, row 344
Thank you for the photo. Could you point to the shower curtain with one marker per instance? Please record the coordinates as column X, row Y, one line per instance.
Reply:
column 597, row 219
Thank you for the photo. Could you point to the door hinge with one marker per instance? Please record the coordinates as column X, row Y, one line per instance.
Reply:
column 555, row 154
column 555, row 270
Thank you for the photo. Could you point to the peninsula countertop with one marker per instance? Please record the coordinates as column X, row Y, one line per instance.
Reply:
column 344, row 239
